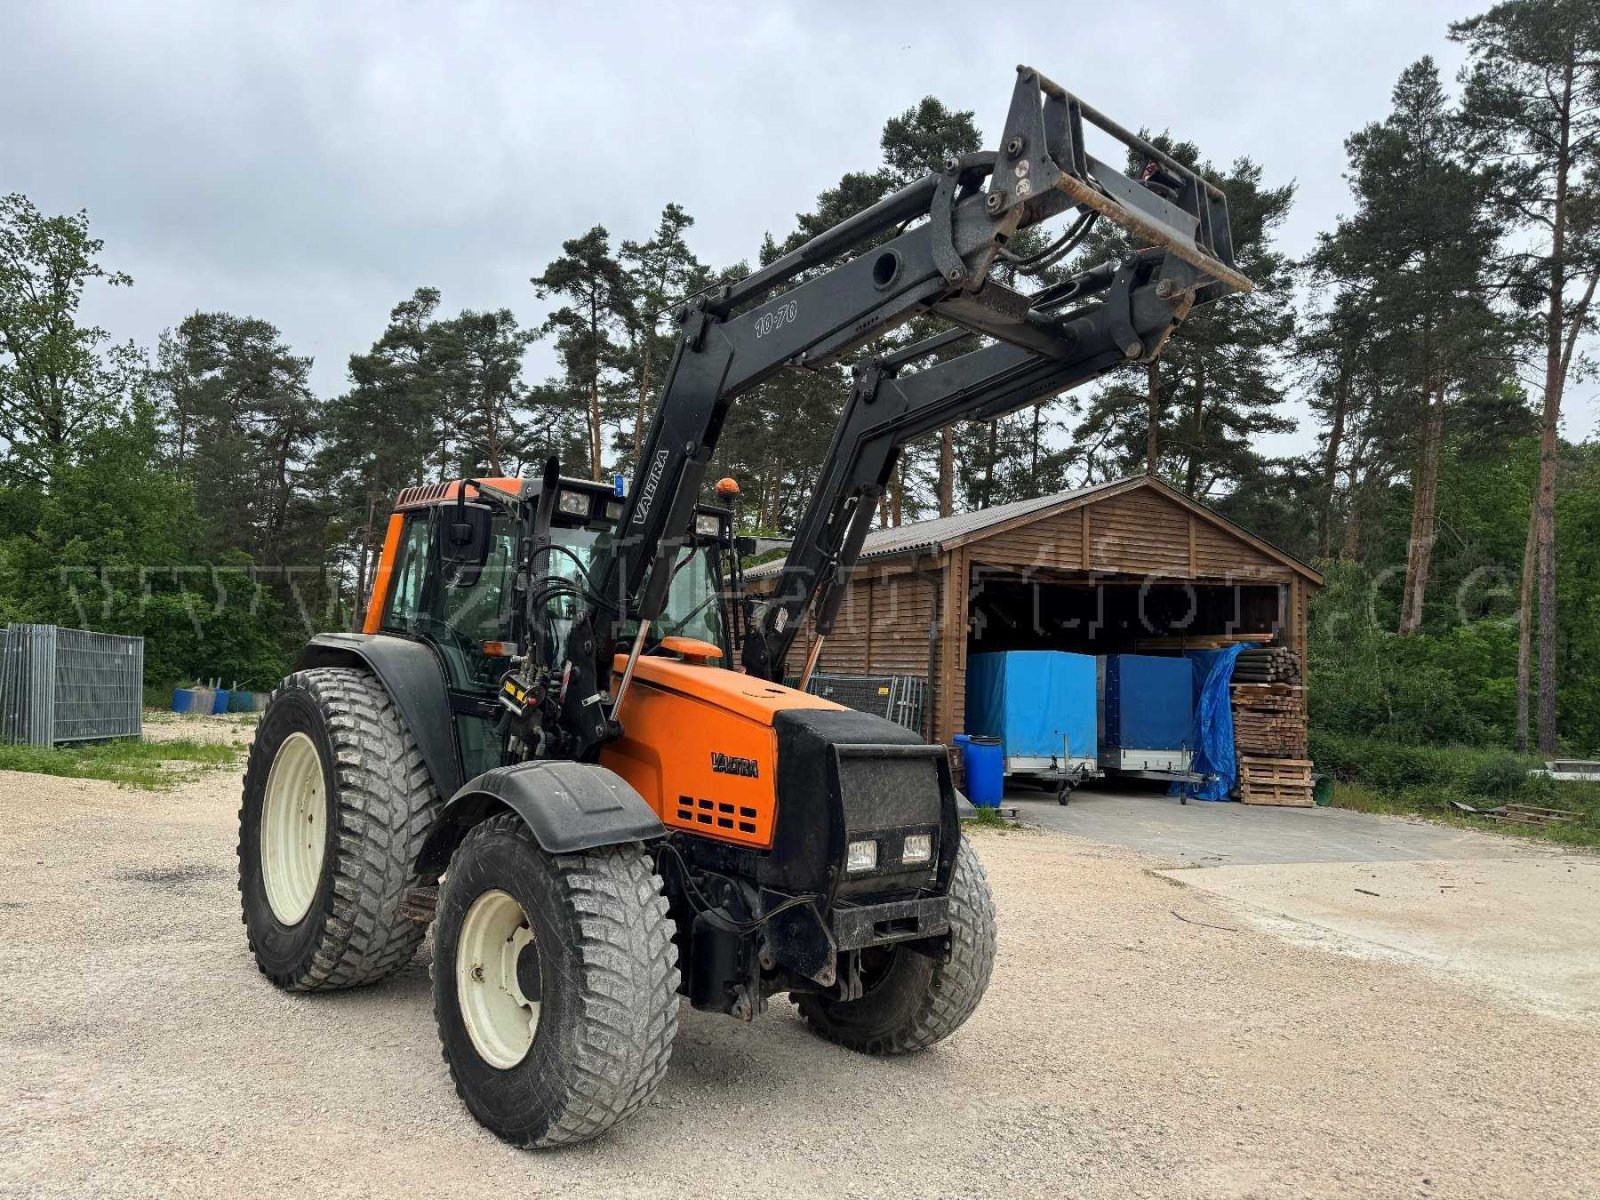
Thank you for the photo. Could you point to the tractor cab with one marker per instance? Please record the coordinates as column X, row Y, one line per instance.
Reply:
column 447, row 577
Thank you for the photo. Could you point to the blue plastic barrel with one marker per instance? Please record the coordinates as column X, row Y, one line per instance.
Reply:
column 220, row 704
column 183, row 700
column 986, row 771
column 242, row 702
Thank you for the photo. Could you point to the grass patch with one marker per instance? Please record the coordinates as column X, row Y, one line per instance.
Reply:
column 1374, row 775
column 130, row 763
column 990, row 818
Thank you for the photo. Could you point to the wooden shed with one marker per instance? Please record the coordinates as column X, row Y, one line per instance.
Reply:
column 1125, row 566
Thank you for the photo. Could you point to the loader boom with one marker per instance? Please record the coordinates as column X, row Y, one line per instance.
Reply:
column 931, row 248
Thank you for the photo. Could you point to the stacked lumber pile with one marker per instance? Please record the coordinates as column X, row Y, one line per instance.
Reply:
column 1269, row 720
column 1269, row 727
column 1280, row 781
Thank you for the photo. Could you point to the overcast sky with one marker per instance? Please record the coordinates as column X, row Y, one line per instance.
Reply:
column 312, row 164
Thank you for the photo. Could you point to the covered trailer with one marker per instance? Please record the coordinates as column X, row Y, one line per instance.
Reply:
column 1041, row 704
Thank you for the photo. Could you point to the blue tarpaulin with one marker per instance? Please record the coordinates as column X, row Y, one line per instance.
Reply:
column 1213, row 724
column 1149, row 702
column 1033, row 700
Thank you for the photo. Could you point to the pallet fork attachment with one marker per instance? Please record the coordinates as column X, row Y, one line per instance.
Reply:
column 1044, row 152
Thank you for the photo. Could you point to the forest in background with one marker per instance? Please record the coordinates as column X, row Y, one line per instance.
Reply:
column 198, row 491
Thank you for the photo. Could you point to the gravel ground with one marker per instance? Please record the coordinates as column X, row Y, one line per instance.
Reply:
column 1128, row 1047
column 170, row 727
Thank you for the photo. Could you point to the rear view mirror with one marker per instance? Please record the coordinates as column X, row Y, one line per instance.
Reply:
column 462, row 537
column 744, row 546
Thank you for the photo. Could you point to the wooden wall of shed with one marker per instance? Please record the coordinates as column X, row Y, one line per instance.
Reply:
column 883, row 625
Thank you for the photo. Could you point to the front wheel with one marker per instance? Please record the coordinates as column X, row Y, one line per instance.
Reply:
column 554, row 984
column 912, row 1001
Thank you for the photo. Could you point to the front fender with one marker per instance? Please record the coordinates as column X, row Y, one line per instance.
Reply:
column 567, row 806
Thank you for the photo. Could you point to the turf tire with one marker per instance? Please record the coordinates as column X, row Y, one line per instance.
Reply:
column 608, row 982
column 916, row 1001
column 381, row 804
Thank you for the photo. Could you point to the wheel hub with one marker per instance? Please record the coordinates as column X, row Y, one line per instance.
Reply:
column 497, row 979
column 294, row 829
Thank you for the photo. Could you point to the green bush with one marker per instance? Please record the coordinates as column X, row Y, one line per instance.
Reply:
column 1448, row 772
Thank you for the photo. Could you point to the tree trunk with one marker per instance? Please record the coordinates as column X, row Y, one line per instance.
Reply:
column 1530, row 560
column 595, row 433
column 898, row 483
column 1152, row 433
column 1424, row 511
column 639, row 425
column 1544, row 506
column 991, row 450
column 1330, row 462
column 1191, row 478
column 947, row 470
column 1033, row 450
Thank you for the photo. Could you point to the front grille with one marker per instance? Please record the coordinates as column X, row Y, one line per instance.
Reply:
column 884, row 787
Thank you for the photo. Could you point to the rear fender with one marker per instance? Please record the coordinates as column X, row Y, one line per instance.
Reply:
column 414, row 678
column 567, row 806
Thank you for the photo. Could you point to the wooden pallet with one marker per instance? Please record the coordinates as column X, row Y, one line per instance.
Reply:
column 1530, row 814
column 1284, row 782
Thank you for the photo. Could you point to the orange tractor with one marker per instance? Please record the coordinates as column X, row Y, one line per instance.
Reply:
column 539, row 742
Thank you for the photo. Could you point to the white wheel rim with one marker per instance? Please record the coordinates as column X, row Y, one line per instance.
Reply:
column 500, row 1020
column 294, row 829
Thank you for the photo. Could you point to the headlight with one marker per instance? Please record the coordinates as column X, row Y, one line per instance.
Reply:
column 862, row 856
column 708, row 525
column 918, row 848
column 574, row 504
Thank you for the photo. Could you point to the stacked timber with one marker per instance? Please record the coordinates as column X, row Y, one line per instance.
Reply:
column 1269, row 727
column 1267, row 664
column 1269, row 720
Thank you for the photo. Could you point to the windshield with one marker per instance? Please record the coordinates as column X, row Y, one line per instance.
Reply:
column 459, row 620
column 692, row 608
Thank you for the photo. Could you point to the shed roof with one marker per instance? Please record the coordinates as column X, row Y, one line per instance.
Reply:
column 944, row 533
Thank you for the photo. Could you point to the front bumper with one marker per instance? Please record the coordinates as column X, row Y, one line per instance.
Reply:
column 855, row 926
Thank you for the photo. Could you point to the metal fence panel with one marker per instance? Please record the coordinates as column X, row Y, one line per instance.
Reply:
column 65, row 685
column 99, row 685
column 899, row 698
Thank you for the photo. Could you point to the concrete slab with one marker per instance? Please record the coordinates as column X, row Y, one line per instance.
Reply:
column 1202, row 834
column 1526, row 928
column 1517, row 920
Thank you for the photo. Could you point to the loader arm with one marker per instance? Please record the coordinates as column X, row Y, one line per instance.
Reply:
column 885, row 410
column 930, row 248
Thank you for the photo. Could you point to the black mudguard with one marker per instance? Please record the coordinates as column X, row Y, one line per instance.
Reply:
column 567, row 806
column 414, row 678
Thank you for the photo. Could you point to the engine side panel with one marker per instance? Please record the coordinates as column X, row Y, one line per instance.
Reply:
column 699, row 746
column 702, row 768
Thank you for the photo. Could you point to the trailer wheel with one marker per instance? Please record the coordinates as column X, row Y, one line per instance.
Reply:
column 912, row 1001
column 337, row 802
column 554, row 984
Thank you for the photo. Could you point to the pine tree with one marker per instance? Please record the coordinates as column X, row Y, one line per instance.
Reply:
column 661, row 274
column 1416, row 251
column 240, row 402
column 587, row 329
column 1533, row 100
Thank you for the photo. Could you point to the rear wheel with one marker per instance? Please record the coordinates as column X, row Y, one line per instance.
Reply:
column 911, row 1001
column 554, row 984
column 337, row 802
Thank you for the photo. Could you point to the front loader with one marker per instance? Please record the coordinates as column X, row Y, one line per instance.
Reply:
column 539, row 741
